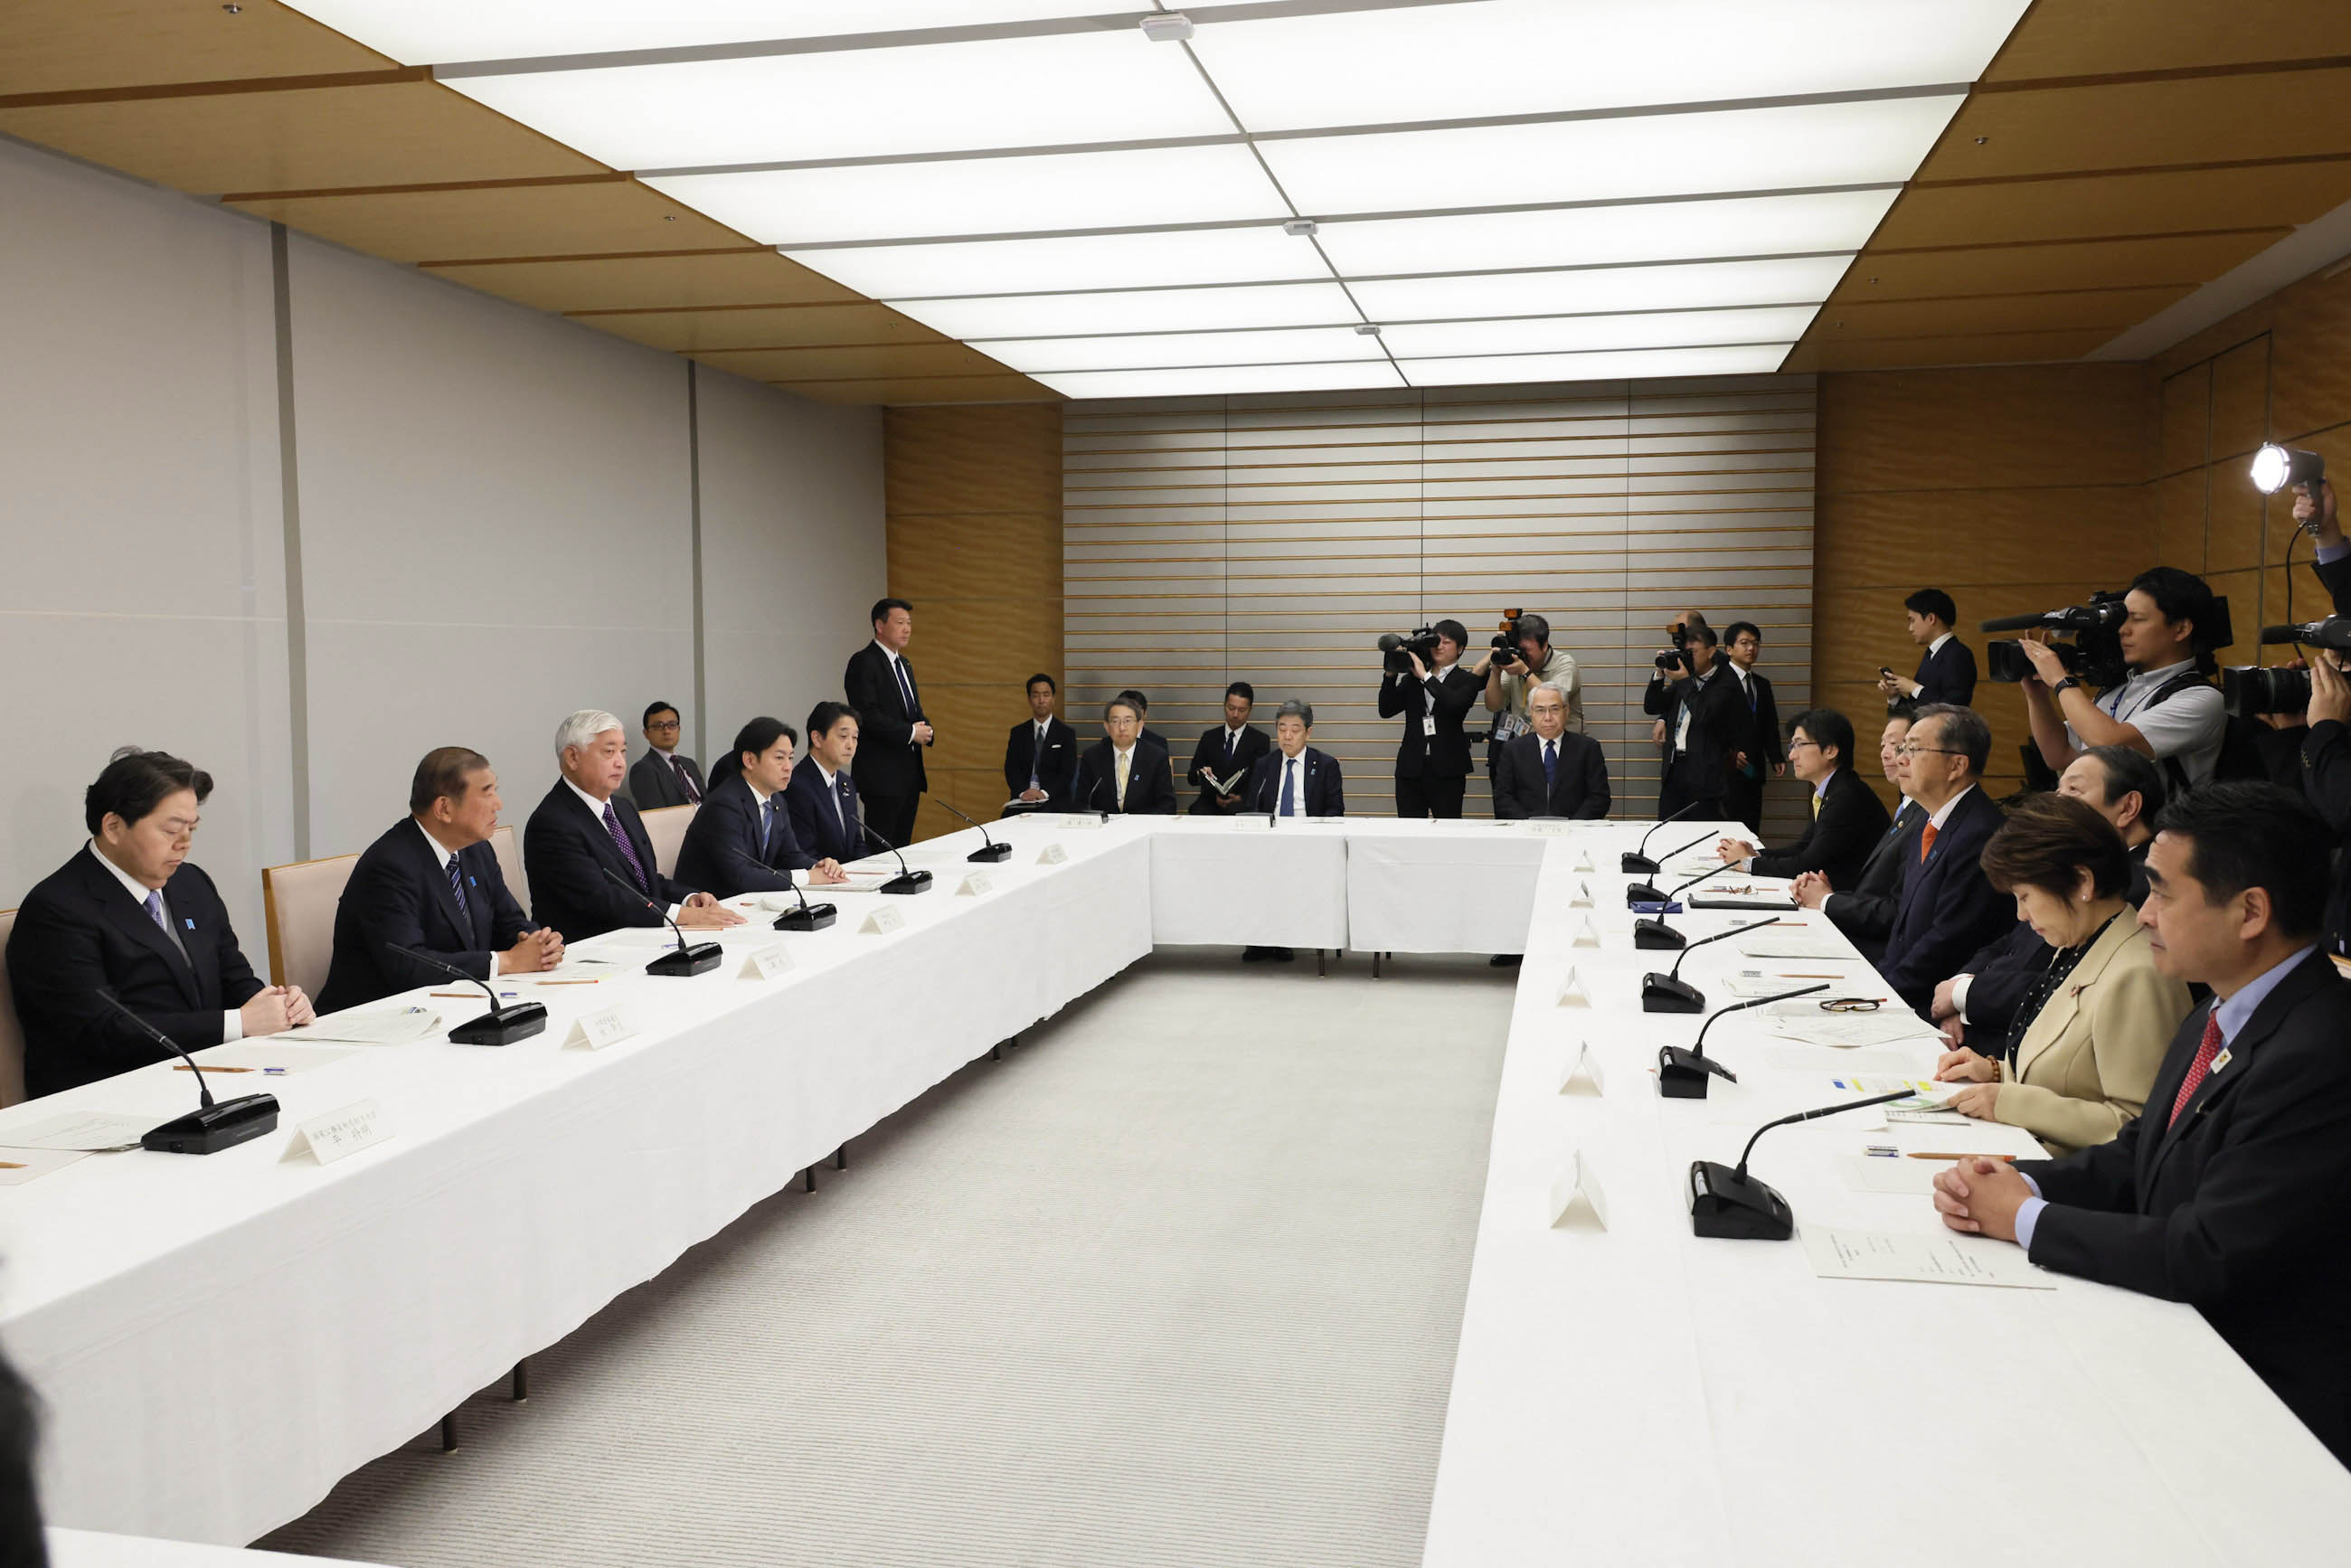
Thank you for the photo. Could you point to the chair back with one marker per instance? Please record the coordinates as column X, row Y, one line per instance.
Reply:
column 509, row 854
column 297, row 906
column 11, row 1038
column 666, row 827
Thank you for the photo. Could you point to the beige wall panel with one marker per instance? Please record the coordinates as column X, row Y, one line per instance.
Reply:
column 2087, row 37
column 752, row 276
column 2116, row 204
column 139, row 43
column 2143, row 124
column 763, row 327
column 510, row 221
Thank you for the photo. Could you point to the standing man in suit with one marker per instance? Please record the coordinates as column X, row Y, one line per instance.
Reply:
column 2227, row 1191
column 1432, row 764
column 1040, row 756
column 1756, row 753
column 663, row 776
column 822, row 795
column 1947, row 670
column 1294, row 779
column 432, row 883
column 1550, row 771
column 880, row 684
column 580, row 832
column 128, row 912
column 1949, row 908
column 742, row 839
column 1704, row 714
column 1119, row 773
column 1233, row 747
column 1848, row 820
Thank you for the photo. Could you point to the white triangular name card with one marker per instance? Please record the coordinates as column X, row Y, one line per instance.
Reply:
column 344, row 1130
column 882, row 922
column 1051, row 854
column 1583, row 1075
column 1584, row 863
column 1575, row 1196
column 765, row 963
column 974, row 884
column 1588, row 936
column 605, row 1026
column 1583, row 899
column 1573, row 993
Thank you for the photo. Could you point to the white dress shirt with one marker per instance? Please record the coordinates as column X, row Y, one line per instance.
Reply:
column 232, row 1021
column 596, row 808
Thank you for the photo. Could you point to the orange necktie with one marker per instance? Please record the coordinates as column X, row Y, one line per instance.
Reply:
column 1926, row 842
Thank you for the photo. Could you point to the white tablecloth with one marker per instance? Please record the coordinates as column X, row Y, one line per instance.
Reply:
column 1220, row 880
column 1443, row 887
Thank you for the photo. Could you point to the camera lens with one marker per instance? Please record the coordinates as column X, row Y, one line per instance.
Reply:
column 2247, row 690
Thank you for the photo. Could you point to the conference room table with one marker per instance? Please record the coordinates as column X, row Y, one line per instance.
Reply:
column 218, row 1340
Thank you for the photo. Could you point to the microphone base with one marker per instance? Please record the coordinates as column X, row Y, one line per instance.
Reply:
column 1645, row 893
column 221, row 1125
column 1682, row 1074
column 908, row 882
column 1632, row 864
column 698, row 959
column 991, row 853
column 1670, row 994
column 813, row 917
column 502, row 1028
column 1656, row 934
column 1736, row 1207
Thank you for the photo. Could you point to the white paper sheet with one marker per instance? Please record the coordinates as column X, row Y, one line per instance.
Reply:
column 1952, row 1260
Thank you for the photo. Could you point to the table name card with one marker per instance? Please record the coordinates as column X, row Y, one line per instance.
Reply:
column 1583, row 899
column 1583, row 1075
column 1556, row 826
column 1082, row 820
column 340, row 1132
column 605, row 1026
column 974, row 884
column 1588, row 934
column 766, row 963
column 1051, row 854
column 1584, row 863
column 1575, row 1195
column 1573, row 992
column 882, row 922
column 1251, row 822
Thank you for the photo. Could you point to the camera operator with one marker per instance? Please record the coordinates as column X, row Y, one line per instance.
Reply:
column 2333, row 562
column 1704, row 715
column 1432, row 766
column 1678, row 633
column 2165, row 708
column 1524, row 661
column 2326, row 780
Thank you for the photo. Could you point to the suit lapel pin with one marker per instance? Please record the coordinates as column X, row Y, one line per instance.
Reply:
column 2221, row 1061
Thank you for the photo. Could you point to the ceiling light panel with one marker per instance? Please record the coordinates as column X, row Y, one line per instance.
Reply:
column 1136, row 310
column 1186, row 256
column 1585, row 290
column 1630, row 366
column 935, row 98
column 1533, row 57
column 1656, row 231
column 1877, row 142
column 1158, row 351
column 1242, row 379
column 1590, row 334
column 432, row 32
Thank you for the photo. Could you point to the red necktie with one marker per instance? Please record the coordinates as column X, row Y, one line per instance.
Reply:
column 2199, row 1070
column 1927, row 842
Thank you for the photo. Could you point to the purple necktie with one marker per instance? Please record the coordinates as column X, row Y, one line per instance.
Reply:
column 621, row 840
column 692, row 795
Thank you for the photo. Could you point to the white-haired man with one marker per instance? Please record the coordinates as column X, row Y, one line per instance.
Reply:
column 582, row 831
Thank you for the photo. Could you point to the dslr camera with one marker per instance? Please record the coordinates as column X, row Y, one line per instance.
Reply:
column 1396, row 649
column 1677, row 656
column 1506, row 638
column 2247, row 690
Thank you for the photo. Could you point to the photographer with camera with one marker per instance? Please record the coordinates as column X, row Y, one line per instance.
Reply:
column 2326, row 779
column 2315, row 513
column 1422, row 681
column 1678, row 633
column 1705, row 717
column 1522, row 659
column 2163, row 633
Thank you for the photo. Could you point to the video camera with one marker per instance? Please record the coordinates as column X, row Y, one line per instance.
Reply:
column 1396, row 649
column 1506, row 638
column 2095, row 654
column 1677, row 657
column 2247, row 690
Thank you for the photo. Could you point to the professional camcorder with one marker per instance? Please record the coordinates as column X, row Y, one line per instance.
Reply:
column 2251, row 689
column 1677, row 657
column 1398, row 648
column 2096, row 654
column 1506, row 638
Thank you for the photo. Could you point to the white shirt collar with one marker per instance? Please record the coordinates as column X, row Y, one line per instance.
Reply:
column 1123, row 751
column 1286, row 757
column 762, row 795
column 825, row 773
column 665, row 752
column 887, row 652
column 131, row 885
column 1937, row 645
column 2156, row 676
column 1234, row 730
column 594, row 804
column 441, row 851
column 1944, row 815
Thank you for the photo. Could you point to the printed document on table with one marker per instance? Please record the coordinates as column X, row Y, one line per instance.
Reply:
column 1950, row 1259
column 89, row 1131
column 400, row 1025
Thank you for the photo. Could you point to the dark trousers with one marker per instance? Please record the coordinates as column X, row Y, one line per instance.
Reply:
column 1682, row 786
column 1743, row 798
column 891, row 816
column 1430, row 796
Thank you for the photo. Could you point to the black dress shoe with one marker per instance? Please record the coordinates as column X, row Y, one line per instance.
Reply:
column 1506, row 960
column 1280, row 955
column 1256, row 954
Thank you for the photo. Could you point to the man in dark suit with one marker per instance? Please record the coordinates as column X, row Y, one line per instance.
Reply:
column 582, row 831
column 1551, row 771
column 1949, row 908
column 1232, row 748
column 2227, row 1191
column 1865, row 911
column 1294, row 779
column 1432, row 764
column 1756, row 753
column 1040, row 756
column 1848, row 820
column 2331, row 558
column 663, row 776
column 128, row 913
column 1947, row 670
column 742, row 839
column 1119, row 773
column 821, row 797
column 880, row 684
column 432, row 883
column 1704, row 714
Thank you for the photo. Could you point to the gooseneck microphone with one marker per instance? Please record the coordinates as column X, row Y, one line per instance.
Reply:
column 1682, row 1074
column 906, row 881
column 499, row 1025
column 1653, row 931
column 215, row 1124
column 1638, row 860
column 699, row 958
column 989, row 849
column 807, row 916
column 1731, row 1204
column 1648, row 891
column 1669, row 993
column 1101, row 780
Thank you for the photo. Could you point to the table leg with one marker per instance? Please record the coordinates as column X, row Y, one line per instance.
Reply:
column 449, row 1433
column 808, row 1176
column 840, row 1158
column 522, row 1380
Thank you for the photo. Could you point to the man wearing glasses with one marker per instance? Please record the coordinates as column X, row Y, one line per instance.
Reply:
column 1948, row 909
column 661, row 776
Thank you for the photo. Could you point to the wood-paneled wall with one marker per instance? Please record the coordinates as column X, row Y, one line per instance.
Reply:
column 974, row 501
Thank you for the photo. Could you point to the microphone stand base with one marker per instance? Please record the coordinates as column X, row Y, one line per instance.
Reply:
column 698, row 959
column 908, row 882
column 991, row 853
column 1682, row 1074
column 1737, row 1208
column 1632, row 864
column 1668, row 994
column 503, row 1027
column 815, row 917
column 221, row 1125
column 1645, row 893
column 1656, row 934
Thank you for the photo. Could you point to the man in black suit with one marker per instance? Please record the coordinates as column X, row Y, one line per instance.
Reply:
column 1848, row 820
column 1294, row 779
column 1865, row 910
column 821, row 797
column 880, row 684
column 1947, row 670
column 663, row 776
column 1949, row 908
column 1756, row 753
column 2331, row 559
column 582, row 831
column 1432, row 764
column 1040, row 756
column 1232, row 748
column 432, row 883
column 742, row 839
column 2227, row 1191
column 128, row 913
column 1551, row 771
column 1119, row 773
column 1704, row 714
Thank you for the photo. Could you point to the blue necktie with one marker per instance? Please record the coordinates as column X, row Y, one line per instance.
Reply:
column 1550, row 766
column 457, row 885
column 1289, row 783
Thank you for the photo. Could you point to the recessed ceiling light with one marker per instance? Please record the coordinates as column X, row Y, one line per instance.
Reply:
column 1186, row 256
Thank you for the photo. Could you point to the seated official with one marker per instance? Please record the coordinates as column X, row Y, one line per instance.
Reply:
column 2095, row 1020
column 1040, row 755
column 1551, row 771
column 581, row 837
column 1119, row 773
column 742, row 839
column 821, row 799
column 2227, row 1193
column 1144, row 734
column 432, row 883
column 663, row 776
column 1294, row 779
column 1228, row 752
column 1947, row 909
column 128, row 913
column 1865, row 910
column 1848, row 820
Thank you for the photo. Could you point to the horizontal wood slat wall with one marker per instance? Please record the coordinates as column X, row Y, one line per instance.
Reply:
column 1273, row 538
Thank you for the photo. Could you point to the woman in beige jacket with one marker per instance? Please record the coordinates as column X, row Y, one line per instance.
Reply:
column 2092, row 1032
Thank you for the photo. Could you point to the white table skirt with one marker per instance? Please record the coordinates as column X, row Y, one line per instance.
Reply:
column 1215, row 881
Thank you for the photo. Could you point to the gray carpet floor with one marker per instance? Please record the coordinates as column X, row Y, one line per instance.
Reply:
column 1178, row 1280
